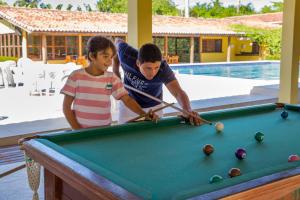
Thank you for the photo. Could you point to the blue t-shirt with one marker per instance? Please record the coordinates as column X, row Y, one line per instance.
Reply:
column 134, row 78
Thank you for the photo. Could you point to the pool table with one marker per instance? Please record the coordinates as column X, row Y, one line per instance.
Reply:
column 164, row 160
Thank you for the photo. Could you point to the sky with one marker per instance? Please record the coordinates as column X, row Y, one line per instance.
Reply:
column 258, row 4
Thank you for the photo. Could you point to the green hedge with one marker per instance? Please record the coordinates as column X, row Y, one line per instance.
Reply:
column 6, row 58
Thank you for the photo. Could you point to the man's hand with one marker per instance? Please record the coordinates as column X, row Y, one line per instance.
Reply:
column 194, row 118
column 151, row 116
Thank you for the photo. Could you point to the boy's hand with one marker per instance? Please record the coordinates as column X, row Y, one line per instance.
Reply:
column 151, row 116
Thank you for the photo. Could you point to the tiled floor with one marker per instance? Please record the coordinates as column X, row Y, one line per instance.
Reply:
column 15, row 186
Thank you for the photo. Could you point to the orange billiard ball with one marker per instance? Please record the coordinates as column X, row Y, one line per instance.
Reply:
column 208, row 149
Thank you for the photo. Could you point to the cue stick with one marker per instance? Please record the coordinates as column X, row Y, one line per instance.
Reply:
column 143, row 115
column 162, row 101
column 12, row 170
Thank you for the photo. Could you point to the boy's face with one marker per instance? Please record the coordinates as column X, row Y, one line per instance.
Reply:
column 103, row 59
column 149, row 69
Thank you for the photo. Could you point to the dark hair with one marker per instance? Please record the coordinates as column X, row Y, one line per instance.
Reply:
column 98, row 43
column 149, row 53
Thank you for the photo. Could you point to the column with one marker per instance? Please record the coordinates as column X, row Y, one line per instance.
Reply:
column 44, row 49
column 192, row 47
column 24, row 44
column 80, row 45
column 139, row 22
column 289, row 65
column 228, row 49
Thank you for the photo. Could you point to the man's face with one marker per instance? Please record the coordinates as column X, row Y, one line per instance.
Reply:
column 149, row 69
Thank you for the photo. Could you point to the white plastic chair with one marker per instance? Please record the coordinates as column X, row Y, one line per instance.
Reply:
column 7, row 75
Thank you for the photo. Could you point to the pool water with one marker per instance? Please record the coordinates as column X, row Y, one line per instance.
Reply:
column 253, row 70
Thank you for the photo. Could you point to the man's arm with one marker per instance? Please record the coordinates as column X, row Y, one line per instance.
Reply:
column 116, row 60
column 68, row 112
column 116, row 65
column 184, row 101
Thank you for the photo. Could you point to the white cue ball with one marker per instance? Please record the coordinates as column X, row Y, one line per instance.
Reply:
column 219, row 126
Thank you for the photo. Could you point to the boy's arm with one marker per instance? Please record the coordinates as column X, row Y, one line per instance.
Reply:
column 184, row 101
column 135, row 107
column 68, row 112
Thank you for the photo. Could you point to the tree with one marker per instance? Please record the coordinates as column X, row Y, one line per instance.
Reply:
column 164, row 7
column 113, row 6
column 78, row 8
column 87, row 7
column 3, row 3
column 69, row 7
column 159, row 7
column 45, row 6
column 27, row 3
column 277, row 6
column 215, row 9
column 59, row 6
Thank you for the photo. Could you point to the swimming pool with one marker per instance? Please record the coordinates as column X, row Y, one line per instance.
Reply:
column 248, row 70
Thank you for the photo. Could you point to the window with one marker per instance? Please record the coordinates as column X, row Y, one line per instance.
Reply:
column 35, row 47
column 85, row 39
column 160, row 42
column 60, row 46
column 179, row 46
column 211, row 45
column 255, row 48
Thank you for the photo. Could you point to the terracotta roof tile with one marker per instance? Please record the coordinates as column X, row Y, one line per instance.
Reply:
column 45, row 20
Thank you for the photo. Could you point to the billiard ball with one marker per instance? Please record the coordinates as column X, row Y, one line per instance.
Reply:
column 233, row 172
column 259, row 136
column 208, row 149
column 240, row 153
column 293, row 158
column 284, row 114
column 219, row 126
column 215, row 179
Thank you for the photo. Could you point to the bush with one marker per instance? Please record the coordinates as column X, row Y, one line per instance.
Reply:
column 6, row 58
column 269, row 38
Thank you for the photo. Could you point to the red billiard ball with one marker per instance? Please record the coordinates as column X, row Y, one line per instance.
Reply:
column 293, row 158
column 208, row 149
column 240, row 153
column 233, row 172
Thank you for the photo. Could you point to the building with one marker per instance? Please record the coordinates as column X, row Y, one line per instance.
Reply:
column 56, row 36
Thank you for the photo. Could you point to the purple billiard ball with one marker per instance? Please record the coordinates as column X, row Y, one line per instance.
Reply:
column 240, row 153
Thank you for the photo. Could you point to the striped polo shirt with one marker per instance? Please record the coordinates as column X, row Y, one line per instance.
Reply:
column 92, row 104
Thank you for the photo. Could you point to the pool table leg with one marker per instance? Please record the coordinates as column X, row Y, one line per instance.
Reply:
column 53, row 186
column 56, row 188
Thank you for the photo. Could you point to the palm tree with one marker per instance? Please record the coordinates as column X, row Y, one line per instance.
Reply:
column 69, row 7
column 27, row 3
column 45, row 6
column 87, row 7
column 59, row 7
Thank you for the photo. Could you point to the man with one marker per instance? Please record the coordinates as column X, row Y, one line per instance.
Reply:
column 146, row 71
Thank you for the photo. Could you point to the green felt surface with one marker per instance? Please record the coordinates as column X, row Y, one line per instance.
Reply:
column 165, row 160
